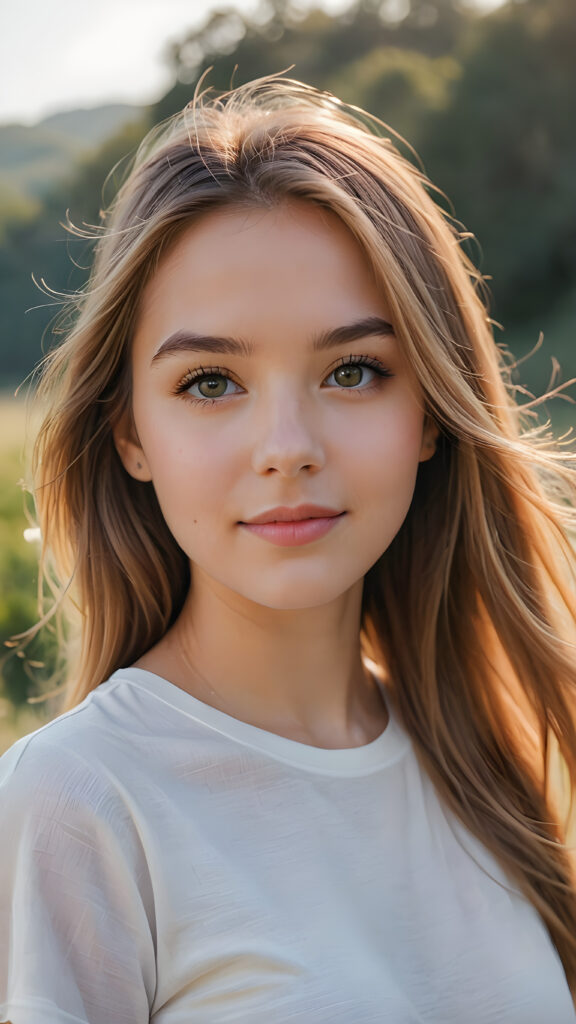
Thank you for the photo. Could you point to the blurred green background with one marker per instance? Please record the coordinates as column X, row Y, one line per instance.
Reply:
column 485, row 97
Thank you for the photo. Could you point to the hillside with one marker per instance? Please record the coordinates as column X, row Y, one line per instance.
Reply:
column 33, row 158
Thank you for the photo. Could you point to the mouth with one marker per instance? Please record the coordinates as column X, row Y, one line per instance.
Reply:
column 283, row 514
column 294, row 527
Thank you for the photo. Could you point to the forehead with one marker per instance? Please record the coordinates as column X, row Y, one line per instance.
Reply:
column 289, row 261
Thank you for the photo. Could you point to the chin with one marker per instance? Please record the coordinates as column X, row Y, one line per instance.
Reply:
column 297, row 596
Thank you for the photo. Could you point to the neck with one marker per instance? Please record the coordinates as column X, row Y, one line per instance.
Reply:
column 296, row 673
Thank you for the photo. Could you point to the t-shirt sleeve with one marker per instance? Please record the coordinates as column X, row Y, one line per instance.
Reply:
column 77, row 939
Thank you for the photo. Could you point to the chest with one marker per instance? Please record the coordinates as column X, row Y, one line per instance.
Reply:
column 284, row 902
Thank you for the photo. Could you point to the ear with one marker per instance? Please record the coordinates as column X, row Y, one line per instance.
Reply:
column 430, row 435
column 129, row 448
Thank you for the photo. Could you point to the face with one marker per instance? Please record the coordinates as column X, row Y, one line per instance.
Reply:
column 268, row 385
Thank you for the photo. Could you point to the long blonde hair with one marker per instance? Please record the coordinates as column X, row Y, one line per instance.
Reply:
column 470, row 612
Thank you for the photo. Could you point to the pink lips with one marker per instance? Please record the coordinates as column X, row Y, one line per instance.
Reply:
column 288, row 527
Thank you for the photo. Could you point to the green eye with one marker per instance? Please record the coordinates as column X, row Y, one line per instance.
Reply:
column 206, row 384
column 358, row 373
column 349, row 375
column 212, row 387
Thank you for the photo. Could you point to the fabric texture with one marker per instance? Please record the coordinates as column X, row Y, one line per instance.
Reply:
column 164, row 862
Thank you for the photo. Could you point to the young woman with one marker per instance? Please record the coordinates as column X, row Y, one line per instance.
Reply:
column 323, row 591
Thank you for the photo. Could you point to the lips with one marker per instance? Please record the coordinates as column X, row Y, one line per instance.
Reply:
column 293, row 527
column 283, row 514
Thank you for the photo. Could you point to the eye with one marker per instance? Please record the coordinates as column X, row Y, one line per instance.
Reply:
column 207, row 385
column 214, row 385
column 350, row 375
column 354, row 371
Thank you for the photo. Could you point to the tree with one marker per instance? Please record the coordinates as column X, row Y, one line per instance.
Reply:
column 504, row 150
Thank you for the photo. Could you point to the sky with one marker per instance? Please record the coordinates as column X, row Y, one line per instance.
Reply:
column 61, row 54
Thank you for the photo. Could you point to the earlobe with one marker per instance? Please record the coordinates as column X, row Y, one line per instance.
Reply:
column 127, row 444
column 429, row 439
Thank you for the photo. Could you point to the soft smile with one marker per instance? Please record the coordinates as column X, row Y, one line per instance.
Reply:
column 289, row 527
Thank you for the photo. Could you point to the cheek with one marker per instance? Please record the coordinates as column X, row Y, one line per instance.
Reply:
column 385, row 471
column 191, row 471
column 177, row 447
column 387, row 448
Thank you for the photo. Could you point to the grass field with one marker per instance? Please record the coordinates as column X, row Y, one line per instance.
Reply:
column 12, row 422
column 18, row 575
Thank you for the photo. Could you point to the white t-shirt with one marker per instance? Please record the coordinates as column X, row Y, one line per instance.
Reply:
column 162, row 861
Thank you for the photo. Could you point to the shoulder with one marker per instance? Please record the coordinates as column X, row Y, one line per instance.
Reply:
column 66, row 769
column 76, row 895
column 64, row 809
column 110, row 717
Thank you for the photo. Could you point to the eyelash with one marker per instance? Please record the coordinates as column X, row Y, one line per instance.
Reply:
column 202, row 372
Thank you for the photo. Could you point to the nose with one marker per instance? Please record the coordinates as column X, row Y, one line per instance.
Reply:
column 288, row 439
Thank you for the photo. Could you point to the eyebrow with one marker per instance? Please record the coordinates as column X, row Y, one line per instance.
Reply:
column 189, row 341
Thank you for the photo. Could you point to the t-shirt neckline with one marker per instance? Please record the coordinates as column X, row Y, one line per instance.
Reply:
column 348, row 761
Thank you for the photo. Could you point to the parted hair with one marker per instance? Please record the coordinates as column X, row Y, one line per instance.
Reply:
column 470, row 613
